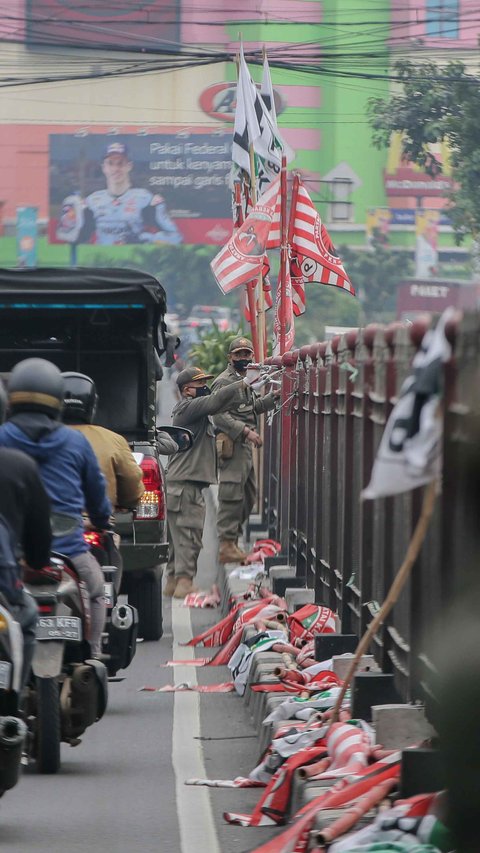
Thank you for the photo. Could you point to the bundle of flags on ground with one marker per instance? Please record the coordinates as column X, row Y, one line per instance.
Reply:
column 358, row 776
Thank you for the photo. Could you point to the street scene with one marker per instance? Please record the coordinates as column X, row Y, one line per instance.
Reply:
column 239, row 426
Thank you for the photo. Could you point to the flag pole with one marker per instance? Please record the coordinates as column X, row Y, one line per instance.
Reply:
column 252, row 285
column 283, row 255
column 249, row 289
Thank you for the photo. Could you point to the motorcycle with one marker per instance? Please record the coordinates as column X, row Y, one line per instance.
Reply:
column 67, row 690
column 13, row 731
column 119, row 640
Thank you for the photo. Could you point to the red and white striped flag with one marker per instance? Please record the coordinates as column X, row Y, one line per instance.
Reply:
column 284, row 308
column 241, row 260
column 298, row 287
column 267, row 292
column 315, row 251
column 275, row 236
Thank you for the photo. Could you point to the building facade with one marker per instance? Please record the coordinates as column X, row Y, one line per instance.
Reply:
column 177, row 124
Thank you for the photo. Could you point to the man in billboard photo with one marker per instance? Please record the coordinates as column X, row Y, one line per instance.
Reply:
column 120, row 213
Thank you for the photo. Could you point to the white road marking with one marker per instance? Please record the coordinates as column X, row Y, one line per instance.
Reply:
column 194, row 807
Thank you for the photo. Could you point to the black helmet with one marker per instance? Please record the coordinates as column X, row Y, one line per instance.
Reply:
column 80, row 398
column 36, row 385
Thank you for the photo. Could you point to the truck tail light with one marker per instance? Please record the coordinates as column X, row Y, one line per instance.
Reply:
column 152, row 504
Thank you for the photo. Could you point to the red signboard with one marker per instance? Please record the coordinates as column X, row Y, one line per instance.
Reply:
column 123, row 23
column 420, row 296
column 219, row 101
column 406, row 181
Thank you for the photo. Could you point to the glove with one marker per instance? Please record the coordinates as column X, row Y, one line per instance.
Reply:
column 253, row 376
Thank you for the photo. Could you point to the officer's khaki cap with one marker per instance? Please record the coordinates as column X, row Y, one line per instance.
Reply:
column 240, row 343
column 192, row 374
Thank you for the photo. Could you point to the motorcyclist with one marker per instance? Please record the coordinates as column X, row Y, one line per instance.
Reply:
column 121, row 472
column 25, row 534
column 123, row 475
column 68, row 468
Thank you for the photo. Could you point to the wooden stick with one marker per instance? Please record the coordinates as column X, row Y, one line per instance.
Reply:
column 283, row 257
column 399, row 582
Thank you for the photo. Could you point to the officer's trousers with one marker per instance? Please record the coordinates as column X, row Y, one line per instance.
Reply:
column 237, row 493
column 186, row 520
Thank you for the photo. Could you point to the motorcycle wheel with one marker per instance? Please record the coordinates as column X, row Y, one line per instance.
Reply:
column 48, row 731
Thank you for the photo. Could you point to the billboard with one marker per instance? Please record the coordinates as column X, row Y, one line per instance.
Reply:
column 125, row 24
column 134, row 188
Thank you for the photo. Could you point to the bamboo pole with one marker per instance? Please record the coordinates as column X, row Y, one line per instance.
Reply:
column 258, row 285
column 283, row 256
column 249, row 287
column 397, row 586
column 353, row 813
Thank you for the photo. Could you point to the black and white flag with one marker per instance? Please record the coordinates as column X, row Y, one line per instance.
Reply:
column 267, row 93
column 410, row 452
column 255, row 126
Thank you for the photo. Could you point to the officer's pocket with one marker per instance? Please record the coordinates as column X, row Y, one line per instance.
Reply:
column 174, row 498
column 224, row 447
column 230, row 491
column 193, row 507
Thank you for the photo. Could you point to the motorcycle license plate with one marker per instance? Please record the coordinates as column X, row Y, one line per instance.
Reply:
column 108, row 594
column 59, row 628
column 5, row 670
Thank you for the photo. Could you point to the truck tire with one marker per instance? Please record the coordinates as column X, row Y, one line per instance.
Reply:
column 145, row 594
column 48, row 727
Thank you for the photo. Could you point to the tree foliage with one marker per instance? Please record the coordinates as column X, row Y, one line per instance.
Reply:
column 210, row 353
column 437, row 104
column 375, row 274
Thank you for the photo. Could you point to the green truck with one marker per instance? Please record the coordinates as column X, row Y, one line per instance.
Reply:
column 108, row 324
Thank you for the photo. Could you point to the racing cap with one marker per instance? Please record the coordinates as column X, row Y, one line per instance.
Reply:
column 240, row 343
column 116, row 148
column 192, row 374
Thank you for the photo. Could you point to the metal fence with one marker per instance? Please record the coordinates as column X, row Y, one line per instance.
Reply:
column 319, row 451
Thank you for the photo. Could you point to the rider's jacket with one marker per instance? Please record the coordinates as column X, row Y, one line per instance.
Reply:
column 69, row 471
column 123, row 476
column 25, row 507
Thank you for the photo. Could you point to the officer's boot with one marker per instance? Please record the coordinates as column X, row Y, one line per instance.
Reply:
column 170, row 585
column 184, row 587
column 229, row 552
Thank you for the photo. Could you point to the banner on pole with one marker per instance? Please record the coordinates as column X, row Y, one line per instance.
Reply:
column 377, row 226
column 410, row 450
column 27, row 233
column 426, row 246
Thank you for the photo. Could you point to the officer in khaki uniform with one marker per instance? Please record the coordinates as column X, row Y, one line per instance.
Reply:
column 190, row 472
column 237, row 433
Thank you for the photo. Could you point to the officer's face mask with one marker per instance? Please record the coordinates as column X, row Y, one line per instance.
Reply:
column 204, row 391
column 241, row 364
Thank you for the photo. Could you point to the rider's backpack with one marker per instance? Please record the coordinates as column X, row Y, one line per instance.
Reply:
column 10, row 583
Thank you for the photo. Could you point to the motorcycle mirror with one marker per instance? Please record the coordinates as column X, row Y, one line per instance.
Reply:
column 183, row 437
column 172, row 342
column 158, row 367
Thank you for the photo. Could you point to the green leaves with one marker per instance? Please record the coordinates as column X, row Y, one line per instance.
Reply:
column 437, row 104
column 375, row 275
column 211, row 352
